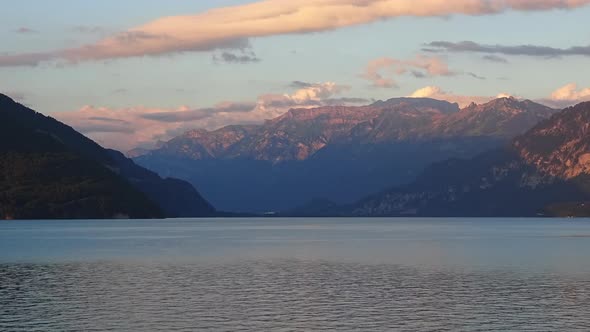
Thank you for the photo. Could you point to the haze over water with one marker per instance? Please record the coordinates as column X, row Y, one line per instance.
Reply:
column 296, row 274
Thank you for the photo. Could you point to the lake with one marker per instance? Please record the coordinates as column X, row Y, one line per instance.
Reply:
column 296, row 274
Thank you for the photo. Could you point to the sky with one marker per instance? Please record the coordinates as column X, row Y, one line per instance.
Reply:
column 131, row 73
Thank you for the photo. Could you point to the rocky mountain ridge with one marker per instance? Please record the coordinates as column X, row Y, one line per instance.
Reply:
column 336, row 153
column 560, row 146
column 546, row 171
column 300, row 133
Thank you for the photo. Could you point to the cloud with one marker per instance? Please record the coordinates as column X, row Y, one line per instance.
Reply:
column 105, row 128
column 523, row 50
column 120, row 91
column 504, row 95
column 300, row 84
column 127, row 128
column 29, row 59
column 494, row 58
column 89, row 29
column 567, row 95
column 185, row 115
column 475, row 76
column 380, row 72
column 571, row 92
column 316, row 92
column 435, row 92
column 228, row 57
column 373, row 73
column 25, row 30
column 307, row 95
column 231, row 27
column 109, row 120
column 347, row 101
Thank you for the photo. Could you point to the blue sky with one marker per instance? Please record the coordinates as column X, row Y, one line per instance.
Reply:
column 341, row 55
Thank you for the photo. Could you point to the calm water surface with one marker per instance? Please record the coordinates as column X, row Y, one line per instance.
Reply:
column 296, row 274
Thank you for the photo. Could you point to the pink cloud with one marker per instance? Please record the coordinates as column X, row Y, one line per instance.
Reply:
column 126, row 128
column 571, row 92
column 567, row 95
column 231, row 27
column 380, row 71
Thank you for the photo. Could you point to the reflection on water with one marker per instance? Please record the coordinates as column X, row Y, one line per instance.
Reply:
column 287, row 275
column 285, row 295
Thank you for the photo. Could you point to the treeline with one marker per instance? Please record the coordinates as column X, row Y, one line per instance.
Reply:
column 35, row 185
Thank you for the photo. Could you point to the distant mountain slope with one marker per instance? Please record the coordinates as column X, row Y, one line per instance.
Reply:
column 559, row 146
column 336, row 153
column 502, row 117
column 48, row 170
column 177, row 198
column 545, row 171
column 300, row 133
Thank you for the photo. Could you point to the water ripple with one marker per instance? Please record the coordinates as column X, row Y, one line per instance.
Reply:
column 286, row 295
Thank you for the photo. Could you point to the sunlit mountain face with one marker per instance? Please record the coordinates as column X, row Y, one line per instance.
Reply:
column 337, row 153
column 545, row 172
column 274, row 165
column 268, row 105
column 133, row 75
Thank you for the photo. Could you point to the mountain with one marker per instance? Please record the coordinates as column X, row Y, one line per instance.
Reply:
column 337, row 153
column 560, row 146
column 175, row 197
column 137, row 152
column 502, row 117
column 300, row 133
column 543, row 172
column 48, row 170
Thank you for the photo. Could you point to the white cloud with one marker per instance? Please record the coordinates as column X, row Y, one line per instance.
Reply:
column 316, row 92
column 565, row 96
column 505, row 95
column 436, row 92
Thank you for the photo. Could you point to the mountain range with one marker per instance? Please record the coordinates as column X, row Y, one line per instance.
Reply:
column 338, row 154
column 401, row 157
column 50, row 171
column 544, row 172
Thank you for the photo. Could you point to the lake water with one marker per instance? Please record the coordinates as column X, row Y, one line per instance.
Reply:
column 296, row 274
